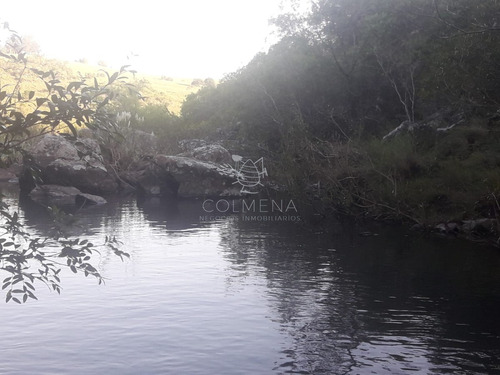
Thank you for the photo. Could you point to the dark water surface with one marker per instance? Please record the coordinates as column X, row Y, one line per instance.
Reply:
column 236, row 297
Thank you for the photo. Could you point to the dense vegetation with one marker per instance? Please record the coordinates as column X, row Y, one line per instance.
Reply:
column 320, row 102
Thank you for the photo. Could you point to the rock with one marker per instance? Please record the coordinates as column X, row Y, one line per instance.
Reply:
column 148, row 180
column 9, row 174
column 61, row 161
column 447, row 228
column 50, row 195
column 194, row 178
column 57, row 195
column 52, row 147
column 182, row 177
column 83, row 200
column 213, row 153
column 479, row 226
column 417, row 227
column 91, row 179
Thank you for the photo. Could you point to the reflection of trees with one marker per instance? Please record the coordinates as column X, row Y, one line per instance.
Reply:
column 346, row 303
column 350, row 303
column 35, row 246
column 88, row 221
column 174, row 215
column 315, row 306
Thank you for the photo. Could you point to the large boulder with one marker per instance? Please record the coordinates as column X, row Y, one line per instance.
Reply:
column 61, row 161
column 183, row 177
column 196, row 178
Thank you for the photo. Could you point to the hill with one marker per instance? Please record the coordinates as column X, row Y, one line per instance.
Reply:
column 164, row 91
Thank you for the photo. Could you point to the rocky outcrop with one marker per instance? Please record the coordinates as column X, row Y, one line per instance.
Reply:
column 183, row 177
column 196, row 178
column 200, row 172
column 60, row 161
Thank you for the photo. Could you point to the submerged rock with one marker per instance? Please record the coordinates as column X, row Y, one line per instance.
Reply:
column 49, row 195
column 57, row 195
column 84, row 199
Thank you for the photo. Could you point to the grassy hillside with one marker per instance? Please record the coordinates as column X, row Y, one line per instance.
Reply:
column 163, row 91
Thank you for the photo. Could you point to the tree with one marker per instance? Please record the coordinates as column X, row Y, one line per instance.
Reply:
column 28, row 115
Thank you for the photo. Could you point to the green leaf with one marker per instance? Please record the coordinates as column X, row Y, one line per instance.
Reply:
column 41, row 101
column 113, row 78
column 71, row 127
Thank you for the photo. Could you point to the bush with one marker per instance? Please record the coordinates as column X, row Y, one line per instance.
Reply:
column 27, row 115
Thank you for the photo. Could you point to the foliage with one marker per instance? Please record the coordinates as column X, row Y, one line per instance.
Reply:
column 342, row 76
column 27, row 115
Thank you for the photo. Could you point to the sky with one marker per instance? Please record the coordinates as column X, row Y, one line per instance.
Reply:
column 177, row 38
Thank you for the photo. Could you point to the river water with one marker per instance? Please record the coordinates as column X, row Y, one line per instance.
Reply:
column 250, row 297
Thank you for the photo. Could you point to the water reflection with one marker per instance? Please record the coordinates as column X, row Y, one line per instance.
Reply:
column 244, row 297
column 382, row 305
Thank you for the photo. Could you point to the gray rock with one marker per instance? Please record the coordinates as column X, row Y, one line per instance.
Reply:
column 478, row 225
column 187, row 145
column 57, row 195
column 447, row 228
column 212, row 153
column 69, row 163
column 83, row 199
column 183, row 177
column 49, row 195
column 52, row 147
column 194, row 178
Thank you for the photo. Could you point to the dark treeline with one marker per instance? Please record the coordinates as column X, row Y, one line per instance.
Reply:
column 343, row 76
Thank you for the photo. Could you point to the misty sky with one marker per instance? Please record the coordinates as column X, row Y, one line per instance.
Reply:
column 182, row 38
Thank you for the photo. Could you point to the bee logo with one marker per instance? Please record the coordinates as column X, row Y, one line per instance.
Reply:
column 249, row 173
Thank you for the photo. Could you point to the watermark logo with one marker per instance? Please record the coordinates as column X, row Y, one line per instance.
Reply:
column 249, row 174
